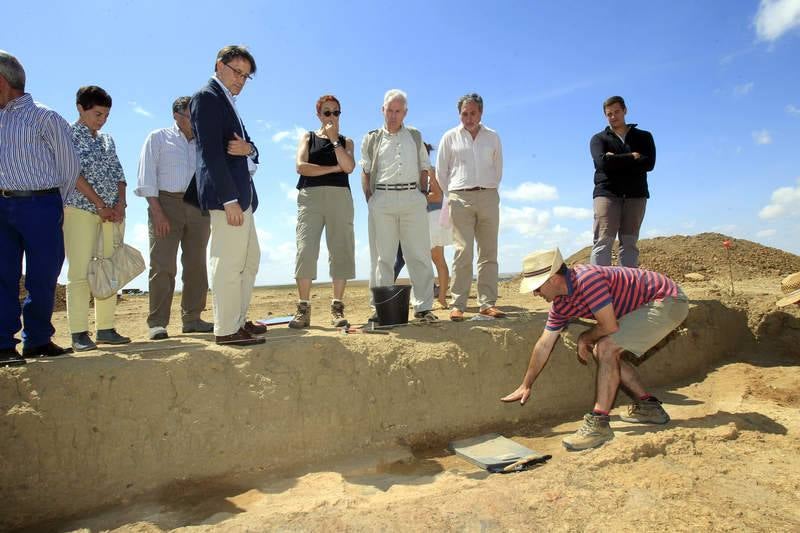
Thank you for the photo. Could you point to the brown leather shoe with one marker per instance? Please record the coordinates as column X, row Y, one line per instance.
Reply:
column 457, row 315
column 493, row 312
column 254, row 329
column 240, row 338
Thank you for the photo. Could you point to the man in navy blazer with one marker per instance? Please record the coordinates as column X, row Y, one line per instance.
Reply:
column 227, row 160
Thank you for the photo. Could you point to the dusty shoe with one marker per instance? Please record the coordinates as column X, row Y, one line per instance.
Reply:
column 594, row 432
column 302, row 317
column 81, row 342
column 426, row 316
column 647, row 411
column 110, row 336
column 337, row 315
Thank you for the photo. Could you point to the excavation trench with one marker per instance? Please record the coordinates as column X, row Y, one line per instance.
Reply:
column 84, row 432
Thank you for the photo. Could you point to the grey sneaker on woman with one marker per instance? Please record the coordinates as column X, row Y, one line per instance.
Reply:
column 302, row 317
column 337, row 315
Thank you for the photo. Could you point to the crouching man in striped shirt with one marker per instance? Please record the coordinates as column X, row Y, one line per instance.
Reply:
column 634, row 310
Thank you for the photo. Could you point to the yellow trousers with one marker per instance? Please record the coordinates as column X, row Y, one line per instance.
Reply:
column 80, row 240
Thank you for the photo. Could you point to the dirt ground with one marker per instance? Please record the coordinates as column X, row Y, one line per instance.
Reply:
column 728, row 460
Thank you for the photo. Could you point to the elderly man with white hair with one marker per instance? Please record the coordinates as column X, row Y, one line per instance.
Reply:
column 394, row 165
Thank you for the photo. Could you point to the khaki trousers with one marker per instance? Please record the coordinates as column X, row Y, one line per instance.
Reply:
column 233, row 265
column 331, row 209
column 400, row 217
column 189, row 229
column 613, row 216
column 80, row 240
column 475, row 217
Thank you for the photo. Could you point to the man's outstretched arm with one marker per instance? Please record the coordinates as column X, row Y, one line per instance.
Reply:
column 539, row 357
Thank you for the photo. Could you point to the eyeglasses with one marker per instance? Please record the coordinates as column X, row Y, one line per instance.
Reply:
column 242, row 75
column 334, row 113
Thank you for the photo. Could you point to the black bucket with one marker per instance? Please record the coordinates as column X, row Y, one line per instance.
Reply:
column 391, row 304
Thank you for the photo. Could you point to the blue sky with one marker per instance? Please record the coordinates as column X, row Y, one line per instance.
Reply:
column 714, row 82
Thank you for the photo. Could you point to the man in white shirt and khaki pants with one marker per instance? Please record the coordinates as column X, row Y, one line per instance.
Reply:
column 395, row 164
column 469, row 167
column 166, row 166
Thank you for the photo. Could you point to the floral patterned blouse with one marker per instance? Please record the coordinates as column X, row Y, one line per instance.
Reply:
column 99, row 165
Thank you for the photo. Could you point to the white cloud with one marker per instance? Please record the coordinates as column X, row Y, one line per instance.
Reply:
column 531, row 192
column 584, row 238
column 776, row 17
column 139, row 110
column 291, row 192
column 724, row 228
column 766, row 233
column 528, row 221
column 577, row 213
column 292, row 135
column 743, row 89
column 762, row 137
column 793, row 110
column 785, row 201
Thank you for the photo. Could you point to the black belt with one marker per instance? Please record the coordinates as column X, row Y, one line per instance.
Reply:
column 396, row 186
column 28, row 194
column 472, row 189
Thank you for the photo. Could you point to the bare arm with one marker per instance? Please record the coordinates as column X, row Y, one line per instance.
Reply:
column 344, row 156
column 304, row 168
column 539, row 357
column 365, row 185
column 435, row 192
column 606, row 325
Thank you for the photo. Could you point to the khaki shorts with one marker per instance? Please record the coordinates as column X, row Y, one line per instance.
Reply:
column 643, row 328
column 329, row 208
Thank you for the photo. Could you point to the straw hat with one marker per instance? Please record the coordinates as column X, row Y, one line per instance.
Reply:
column 790, row 285
column 538, row 267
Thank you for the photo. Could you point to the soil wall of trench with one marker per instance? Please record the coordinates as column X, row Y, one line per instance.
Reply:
column 82, row 432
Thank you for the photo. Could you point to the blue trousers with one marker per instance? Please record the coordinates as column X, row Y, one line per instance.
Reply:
column 33, row 227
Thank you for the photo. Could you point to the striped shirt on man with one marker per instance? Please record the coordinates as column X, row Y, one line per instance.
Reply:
column 36, row 149
column 590, row 288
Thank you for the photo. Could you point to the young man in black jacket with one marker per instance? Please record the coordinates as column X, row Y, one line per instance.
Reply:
column 622, row 155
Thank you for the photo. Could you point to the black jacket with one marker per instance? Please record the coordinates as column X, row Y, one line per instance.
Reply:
column 220, row 177
column 620, row 174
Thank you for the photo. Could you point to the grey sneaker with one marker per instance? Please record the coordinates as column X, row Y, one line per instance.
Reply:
column 110, row 336
column 158, row 333
column 302, row 317
column 337, row 315
column 648, row 411
column 594, row 432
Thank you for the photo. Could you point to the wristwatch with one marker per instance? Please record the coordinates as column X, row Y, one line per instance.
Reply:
column 336, row 145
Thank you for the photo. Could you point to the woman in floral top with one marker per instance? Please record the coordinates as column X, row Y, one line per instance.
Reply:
column 96, row 204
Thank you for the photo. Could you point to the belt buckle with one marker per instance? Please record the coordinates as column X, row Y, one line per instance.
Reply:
column 4, row 194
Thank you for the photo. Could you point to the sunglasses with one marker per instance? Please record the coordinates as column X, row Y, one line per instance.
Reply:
column 334, row 113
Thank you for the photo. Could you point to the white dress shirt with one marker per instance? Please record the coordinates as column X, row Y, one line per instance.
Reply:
column 463, row 162
column 399, row 160
column 167, row 162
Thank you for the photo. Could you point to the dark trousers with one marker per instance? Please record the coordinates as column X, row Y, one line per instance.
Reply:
column 189, row 229
column 31, row 227
column 617, row 216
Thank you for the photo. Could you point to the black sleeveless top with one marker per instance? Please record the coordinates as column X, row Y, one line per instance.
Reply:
column 321, row 152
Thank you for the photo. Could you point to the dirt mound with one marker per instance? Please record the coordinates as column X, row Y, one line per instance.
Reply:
column 704, row 254
column 61, row 295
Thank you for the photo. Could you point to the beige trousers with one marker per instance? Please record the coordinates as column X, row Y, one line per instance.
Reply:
column 475, row 217
column 80, row 239
column 233, row 265
column 400, row 217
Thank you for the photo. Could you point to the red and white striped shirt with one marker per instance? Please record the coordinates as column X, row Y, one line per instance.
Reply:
column 591, row 288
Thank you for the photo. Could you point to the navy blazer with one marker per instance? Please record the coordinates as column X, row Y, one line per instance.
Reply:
column 220, row 177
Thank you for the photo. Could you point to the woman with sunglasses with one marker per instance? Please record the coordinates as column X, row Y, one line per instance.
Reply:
column 324, row 161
